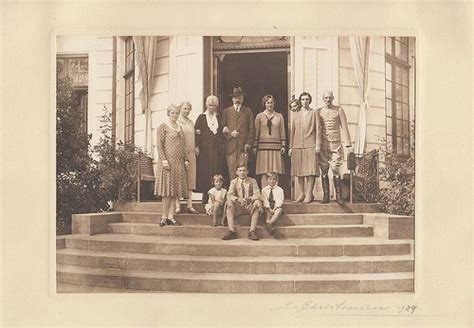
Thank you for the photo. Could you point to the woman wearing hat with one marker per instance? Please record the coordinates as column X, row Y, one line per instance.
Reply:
column 270, row 140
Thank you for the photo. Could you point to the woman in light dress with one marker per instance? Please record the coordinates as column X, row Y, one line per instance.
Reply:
column 305, row 143
column 187, row 126
column 270, row 140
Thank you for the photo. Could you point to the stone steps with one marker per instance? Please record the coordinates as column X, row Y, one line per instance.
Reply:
column 284, row 220
column 308, row 231
column 220, row 264
column 152, row 244
column 288, row 206
column 235, row 283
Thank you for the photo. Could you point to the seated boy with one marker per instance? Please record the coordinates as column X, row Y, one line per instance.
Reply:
column 243, row 197
column 272, row 196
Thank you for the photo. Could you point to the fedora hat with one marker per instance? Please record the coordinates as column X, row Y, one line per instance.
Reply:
column 237, row 92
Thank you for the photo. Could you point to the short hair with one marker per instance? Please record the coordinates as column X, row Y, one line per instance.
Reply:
column 272, row 175
column 306, row 94
column 328, row 92
column 212, row 98
column 294, row 100
column 244, row 165
column 217, row 177
column 265, row 99
column 185, row 103
column 170, row 108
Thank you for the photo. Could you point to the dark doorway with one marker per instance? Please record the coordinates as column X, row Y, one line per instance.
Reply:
column 258, row 74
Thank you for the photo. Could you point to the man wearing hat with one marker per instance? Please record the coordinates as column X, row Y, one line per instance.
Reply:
column 239, row 130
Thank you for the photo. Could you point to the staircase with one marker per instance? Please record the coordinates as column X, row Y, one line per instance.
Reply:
column 319, row 249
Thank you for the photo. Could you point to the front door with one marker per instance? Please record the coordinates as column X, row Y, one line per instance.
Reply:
column 258, row 73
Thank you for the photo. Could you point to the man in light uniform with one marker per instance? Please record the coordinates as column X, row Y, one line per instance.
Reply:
column 334, row 135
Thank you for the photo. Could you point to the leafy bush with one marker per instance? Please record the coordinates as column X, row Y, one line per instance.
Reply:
column 116, row 165
column 397, row 175
column 87, row 179
column 76, row 173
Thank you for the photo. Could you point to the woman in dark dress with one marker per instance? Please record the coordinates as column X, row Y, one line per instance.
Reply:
column 208, row 146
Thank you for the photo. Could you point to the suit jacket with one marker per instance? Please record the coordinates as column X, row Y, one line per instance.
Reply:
column 241, row 121
column 251, row 189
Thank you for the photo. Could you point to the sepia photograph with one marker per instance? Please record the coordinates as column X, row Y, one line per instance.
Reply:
column 235, row 164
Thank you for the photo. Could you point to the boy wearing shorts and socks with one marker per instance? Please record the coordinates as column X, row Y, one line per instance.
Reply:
column 272, row 196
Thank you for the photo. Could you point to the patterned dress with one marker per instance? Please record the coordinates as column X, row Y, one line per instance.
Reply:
column 270, row 137
column 171, row 182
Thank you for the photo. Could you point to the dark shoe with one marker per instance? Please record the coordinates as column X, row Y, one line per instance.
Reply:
column 163, row 222
column 325, row 185
column 191, row 210
column 337, row 186
column 173, row 222
column 230, row 235
column 253, row 235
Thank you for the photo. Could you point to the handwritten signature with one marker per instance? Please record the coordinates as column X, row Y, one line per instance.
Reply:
column 346, row 307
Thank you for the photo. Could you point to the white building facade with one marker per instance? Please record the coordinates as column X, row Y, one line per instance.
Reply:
column 136, row 78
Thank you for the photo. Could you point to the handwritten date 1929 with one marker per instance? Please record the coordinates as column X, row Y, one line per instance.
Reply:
column 407, row 309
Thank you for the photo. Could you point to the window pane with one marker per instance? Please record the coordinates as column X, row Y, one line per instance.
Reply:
column 399, row 128
column 405, row 128
column 127, row 102
column 398, row 92
column 388, row 45
column 406, row 147
column 404, row 52
column 388, row 89
column 388, row 71
column 405, row 77
column 398, row 74
column 398, row 112
column 389, row 125
column 405, row 112
column 399, row 146
column 398, row 49
column 405, row 95
column 388, row 105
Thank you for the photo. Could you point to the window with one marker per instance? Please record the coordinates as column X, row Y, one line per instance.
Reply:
column 397, row 95
column 76, row 67
column 129, row 91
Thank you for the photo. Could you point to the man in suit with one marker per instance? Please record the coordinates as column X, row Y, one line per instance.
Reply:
column 334, row 134
column 243, row 197
column 238, row 129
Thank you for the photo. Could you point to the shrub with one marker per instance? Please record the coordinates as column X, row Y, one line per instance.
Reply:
column 87, row 178
column 116, row 165
column 76, row 173
column 397, row 175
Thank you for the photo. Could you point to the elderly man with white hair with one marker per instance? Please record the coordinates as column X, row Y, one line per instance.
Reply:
column 334, row 134
column 209, row 148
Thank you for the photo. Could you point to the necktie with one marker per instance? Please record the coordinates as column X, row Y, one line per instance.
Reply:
column 243, row 188
column 271, row 200
column 269, row 125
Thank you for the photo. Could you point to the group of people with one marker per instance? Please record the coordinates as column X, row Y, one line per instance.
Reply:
column 191, row 157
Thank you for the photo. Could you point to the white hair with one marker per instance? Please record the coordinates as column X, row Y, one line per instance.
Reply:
column 212, row 99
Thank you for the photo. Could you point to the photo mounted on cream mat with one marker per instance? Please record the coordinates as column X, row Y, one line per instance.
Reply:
column 235, row 164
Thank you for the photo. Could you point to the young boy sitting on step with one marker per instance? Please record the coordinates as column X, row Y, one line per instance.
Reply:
column 272, row 196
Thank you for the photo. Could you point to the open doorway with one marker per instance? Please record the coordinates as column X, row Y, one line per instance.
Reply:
column 258, row 73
